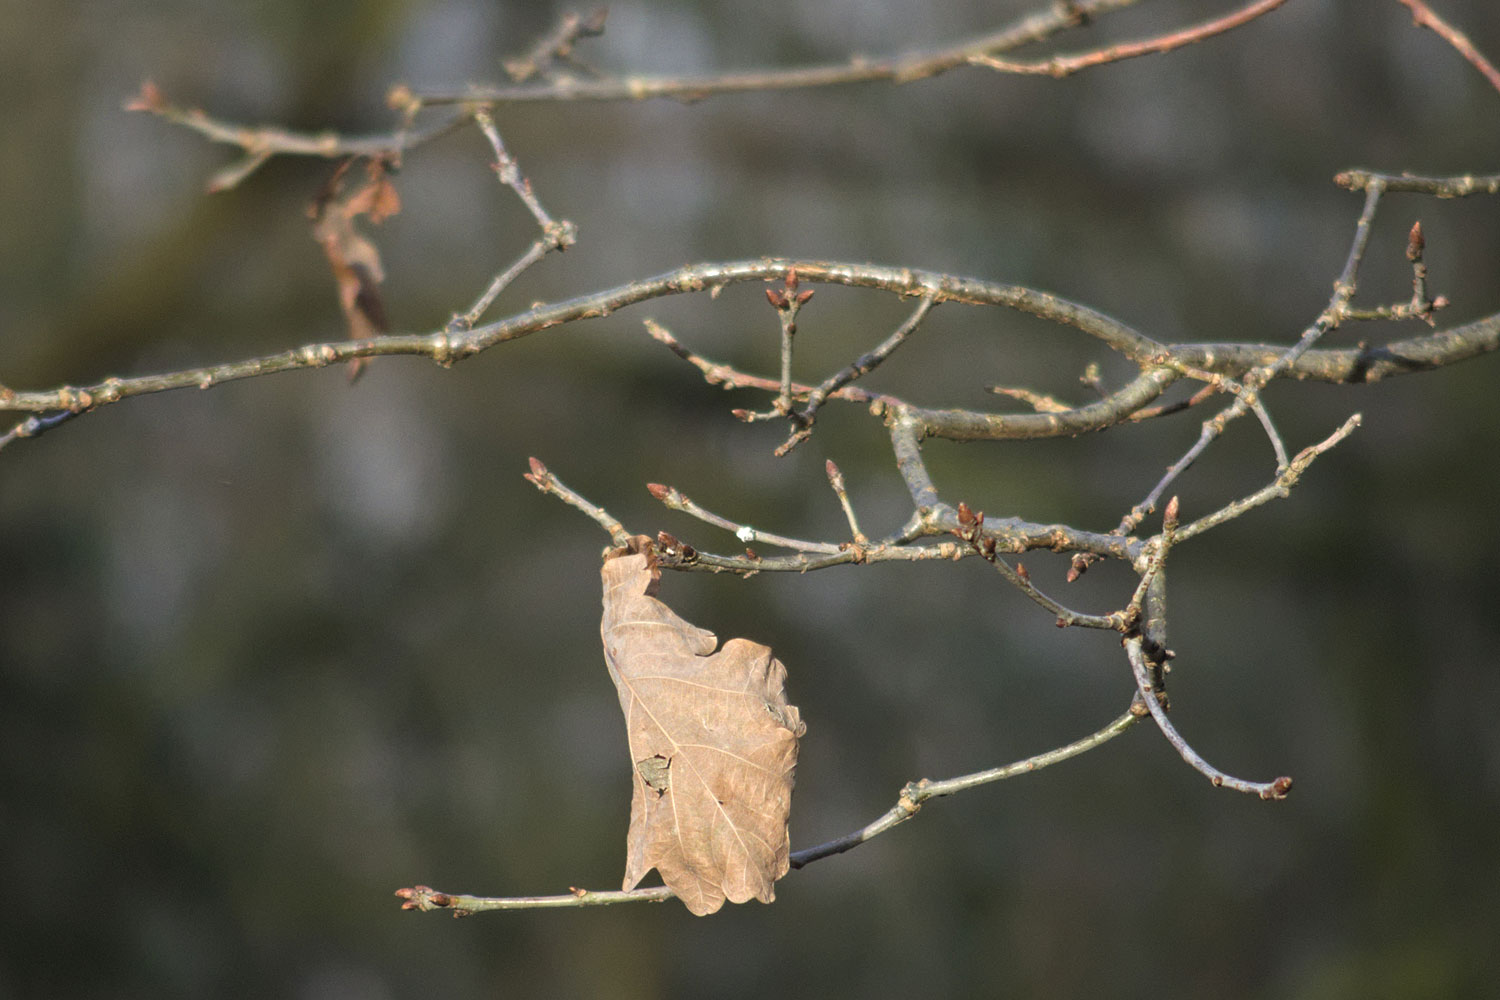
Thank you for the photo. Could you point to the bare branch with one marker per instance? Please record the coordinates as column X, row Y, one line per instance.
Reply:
column 545, row 481
column 971, row 425
column 971, row 529
column 729, row 377
column 674, row 499
column 864, row 364
column 1366, row 364
column 556, row 44
column 556, row 235
column 1276, row 789
column 836, row 480
column 426, row 899
column 1279, row 488
column 1060, row 66
column 1442, row 187
column 1423, row 16
column 898, row 69
column 261, row 142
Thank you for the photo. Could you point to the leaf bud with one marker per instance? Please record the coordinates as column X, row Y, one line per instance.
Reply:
column 1415, row 242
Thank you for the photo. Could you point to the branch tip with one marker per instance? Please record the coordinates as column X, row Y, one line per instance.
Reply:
column 1415, row 243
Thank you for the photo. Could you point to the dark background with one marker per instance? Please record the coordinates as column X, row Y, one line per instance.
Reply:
column 269, row 652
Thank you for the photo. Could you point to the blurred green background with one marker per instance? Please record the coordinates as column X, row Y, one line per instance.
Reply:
column 269, row 652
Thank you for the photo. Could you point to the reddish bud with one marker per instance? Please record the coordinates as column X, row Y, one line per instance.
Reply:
column 1169, row 516
column 750, row 554
column 537, row 468
column 658, row 490
column 667, row 542
column 744, row 415
column 1022, row 573
column 803, row 296
column 965, row 515
column 776, row 298
column 791, row 279
column 1415, row 243
column 148, row 99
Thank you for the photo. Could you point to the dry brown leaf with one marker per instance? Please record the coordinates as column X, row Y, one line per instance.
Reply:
column 713, row 745
column 353, row 256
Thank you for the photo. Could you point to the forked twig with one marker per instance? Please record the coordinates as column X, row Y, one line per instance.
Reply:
column 1276, row 789
column 425, row 898
column 862, row 366
column 556, row 234
column 1280, row 487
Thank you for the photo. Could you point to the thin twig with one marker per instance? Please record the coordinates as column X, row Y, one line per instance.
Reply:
column 1156, row 557
column 1464, row 186
column 904, row 68
column 509, row 172
column 836, row 480
column 729, row 377
column 1247, row 398
column 1423, row 16
column 556, row 44
column 1060, row 66
column 556, row 234
column 1421, row 305
column 918, row 792
column 545, row 481
column 674, row 499
column 1279, row 488
column 1040, row 402
column 538, row 249
column 868, row 362
column 971, row 529
column 426, row 899
column 1276, row 789
column 261, row 142
column 36, row 425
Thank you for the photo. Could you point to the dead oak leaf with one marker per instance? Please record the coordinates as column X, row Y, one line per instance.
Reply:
column 352, row 256
column 713, row 745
